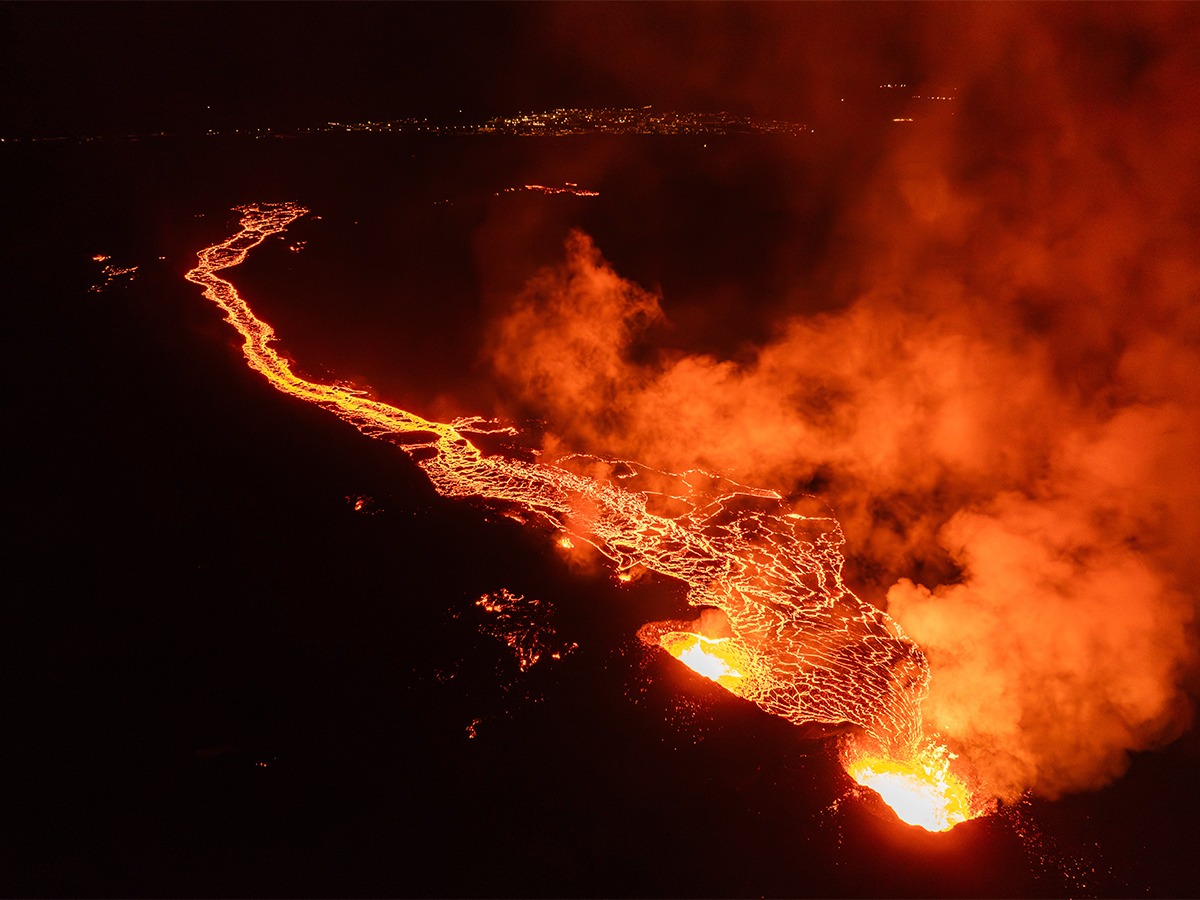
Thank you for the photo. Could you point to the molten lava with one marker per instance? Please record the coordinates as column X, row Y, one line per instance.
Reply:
column 800, row 644
column 714, row 658
column 920, row 788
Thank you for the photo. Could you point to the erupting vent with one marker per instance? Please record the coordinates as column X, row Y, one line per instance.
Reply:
column 714, row 658
column 921, row 789
column 800, row 645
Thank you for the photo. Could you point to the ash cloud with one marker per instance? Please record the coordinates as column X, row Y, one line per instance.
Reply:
column 1002, row 400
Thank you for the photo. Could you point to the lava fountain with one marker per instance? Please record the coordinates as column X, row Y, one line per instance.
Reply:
column 795, row 640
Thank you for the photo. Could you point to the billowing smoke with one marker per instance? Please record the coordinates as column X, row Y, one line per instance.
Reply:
column 1004, row 407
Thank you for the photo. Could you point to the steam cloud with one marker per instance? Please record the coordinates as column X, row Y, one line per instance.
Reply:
column 1004, row 409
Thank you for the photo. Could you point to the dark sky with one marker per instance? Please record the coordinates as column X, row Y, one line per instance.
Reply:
column 104, row 67
column 97, row 67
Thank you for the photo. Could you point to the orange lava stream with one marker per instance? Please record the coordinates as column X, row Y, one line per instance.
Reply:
column 801, row 645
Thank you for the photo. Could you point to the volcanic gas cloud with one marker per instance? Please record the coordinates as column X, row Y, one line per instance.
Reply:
column 1003, row 407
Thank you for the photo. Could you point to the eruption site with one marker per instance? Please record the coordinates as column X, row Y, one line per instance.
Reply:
column 988, row 367
column 783, row 630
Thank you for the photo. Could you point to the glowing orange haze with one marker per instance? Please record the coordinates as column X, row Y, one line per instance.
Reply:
column 1008, row 399
column 1063, row 643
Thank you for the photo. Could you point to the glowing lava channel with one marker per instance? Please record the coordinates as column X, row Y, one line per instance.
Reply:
column 800, row 644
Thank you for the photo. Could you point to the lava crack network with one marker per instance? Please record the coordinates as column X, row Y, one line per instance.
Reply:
column 802, row 645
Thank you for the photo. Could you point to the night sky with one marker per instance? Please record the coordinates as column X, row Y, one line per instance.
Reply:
column 226, row 680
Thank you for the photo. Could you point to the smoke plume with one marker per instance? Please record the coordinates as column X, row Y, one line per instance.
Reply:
column 1003, row 406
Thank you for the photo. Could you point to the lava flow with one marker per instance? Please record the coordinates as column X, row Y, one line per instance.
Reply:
column 796, row 641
